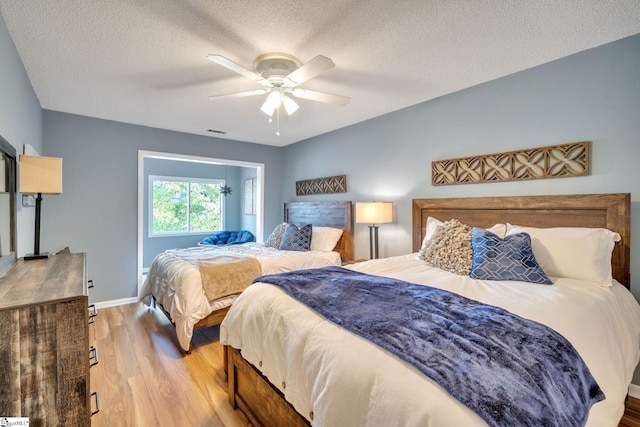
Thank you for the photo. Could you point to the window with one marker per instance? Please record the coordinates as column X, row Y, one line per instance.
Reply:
column 184, row 205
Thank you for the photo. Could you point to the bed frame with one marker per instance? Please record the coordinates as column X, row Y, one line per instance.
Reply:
column 610, row 211
column 325, row 214
column 264, row 405
column 322, row 214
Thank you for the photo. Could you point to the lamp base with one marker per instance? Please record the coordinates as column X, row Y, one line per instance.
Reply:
column 373, row 241
column 43, row 255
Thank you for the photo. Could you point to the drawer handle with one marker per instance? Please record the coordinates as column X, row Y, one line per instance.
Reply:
column 95, row 395
column 90, row 284
column 93, row 355
column 93, row 313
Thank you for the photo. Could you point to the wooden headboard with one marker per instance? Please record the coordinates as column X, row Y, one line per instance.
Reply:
column 611, row 211
column 325, row 214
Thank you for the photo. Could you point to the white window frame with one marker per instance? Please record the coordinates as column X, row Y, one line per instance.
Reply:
column 189, row 180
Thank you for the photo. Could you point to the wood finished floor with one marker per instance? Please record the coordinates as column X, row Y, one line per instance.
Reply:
column 631, row 417
column 144, row 380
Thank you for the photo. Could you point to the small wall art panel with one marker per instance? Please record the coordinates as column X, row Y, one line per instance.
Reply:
column 330, row 184
column 555, row 161
column 250, row 196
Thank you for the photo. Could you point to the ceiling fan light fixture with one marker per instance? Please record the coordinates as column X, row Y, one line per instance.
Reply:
column 290, row 105
column 273, row 102
column 267, row 108
column 279, row 74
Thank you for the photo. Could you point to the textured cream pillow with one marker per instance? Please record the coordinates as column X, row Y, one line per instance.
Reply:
column 275, row 238
column 449, row 248
column 572, row 252
column 499, row 230
column 430, row 228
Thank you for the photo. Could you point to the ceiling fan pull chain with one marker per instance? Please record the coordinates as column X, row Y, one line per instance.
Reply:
column 278, row 122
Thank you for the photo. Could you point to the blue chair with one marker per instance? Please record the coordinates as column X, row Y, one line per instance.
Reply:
column 228, row 238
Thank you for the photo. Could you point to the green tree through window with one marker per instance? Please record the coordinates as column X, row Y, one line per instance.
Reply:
column 183, row 205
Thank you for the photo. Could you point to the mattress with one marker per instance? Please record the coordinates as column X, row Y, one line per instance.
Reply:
column 175, row 281
column 334, row 377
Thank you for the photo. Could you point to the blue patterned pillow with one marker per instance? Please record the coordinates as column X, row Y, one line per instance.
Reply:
column 510, row 258
column 296, row 239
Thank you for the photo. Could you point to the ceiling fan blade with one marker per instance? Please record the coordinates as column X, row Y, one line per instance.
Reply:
column 221, row 60
column 307, row 71
column 327, row 98
column 240, row 94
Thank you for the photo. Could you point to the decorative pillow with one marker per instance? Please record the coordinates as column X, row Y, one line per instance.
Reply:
column 324, row 238
column 296, row 239
column 432, row 224
column 275, row 238
column 510, row 258
column 228, row 238
column 217, row 238
column 449, row 248
column 572, row 252
column 242, row 236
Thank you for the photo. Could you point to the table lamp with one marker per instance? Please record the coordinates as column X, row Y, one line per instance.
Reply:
column 374, row 213
column 39, row 175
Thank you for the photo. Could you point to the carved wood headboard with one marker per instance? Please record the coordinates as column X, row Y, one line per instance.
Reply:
column 325, row 214
column 611, row 211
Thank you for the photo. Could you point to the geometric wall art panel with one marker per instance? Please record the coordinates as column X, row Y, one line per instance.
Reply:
column 555, row 161
column 330, row 184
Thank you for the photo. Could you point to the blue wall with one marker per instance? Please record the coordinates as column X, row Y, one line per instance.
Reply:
column 591, row 96
column 97, row 213
column 20, row 122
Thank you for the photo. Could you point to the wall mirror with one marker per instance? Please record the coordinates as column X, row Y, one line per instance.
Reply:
column 7, row 203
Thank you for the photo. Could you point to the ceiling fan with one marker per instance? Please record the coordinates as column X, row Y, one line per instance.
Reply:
column 280, row 74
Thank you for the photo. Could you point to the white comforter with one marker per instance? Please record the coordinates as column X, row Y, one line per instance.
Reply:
column 339, row 379
column 174, row 279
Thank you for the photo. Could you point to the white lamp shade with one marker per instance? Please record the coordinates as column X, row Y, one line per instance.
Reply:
column 374, row 212
column 40, row 174
column 272, row 103
column 289, row 105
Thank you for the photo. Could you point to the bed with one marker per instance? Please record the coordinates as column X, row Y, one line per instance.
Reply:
column 180, row 283
column 302, row 369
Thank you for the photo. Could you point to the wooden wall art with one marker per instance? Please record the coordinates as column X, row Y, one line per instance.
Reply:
column 555, row 161
column 330, row 184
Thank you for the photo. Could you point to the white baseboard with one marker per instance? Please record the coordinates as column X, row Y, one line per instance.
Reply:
column 634, row 391
column 115, row 302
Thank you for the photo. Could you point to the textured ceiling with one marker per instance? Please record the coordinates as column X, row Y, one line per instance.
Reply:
column 144, row 61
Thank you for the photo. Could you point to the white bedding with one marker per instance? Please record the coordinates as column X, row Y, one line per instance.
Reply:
column 174, row 279
column 345, row 380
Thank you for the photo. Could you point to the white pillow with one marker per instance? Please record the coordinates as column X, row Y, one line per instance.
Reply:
column 324, row 238
column 432, row 223
column 572, row 252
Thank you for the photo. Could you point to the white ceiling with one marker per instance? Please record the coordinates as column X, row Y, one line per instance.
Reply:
column 144, row 61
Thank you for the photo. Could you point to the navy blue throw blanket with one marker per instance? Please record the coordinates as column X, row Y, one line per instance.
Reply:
column 509, row 370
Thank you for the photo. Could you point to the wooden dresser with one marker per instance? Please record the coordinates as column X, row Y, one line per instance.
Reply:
column 44, row 341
